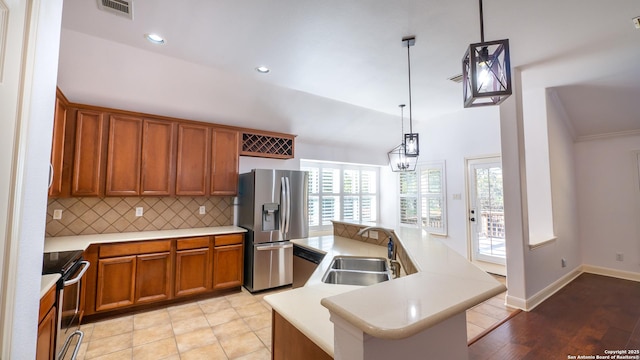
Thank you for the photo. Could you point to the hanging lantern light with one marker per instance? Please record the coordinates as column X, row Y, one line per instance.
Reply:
column 411, row 140
column 486, row 71
column 398, row 159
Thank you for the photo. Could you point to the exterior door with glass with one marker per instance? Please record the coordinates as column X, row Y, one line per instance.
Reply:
column 486, row 210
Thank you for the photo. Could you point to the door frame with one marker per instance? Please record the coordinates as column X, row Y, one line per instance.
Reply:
column 489, row 158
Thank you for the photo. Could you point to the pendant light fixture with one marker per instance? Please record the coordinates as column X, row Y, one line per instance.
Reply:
column 411, row 140
column 486, row 71
column 398, row 159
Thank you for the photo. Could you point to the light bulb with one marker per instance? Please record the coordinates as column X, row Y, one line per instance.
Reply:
column 411, row 146
column 483, row 78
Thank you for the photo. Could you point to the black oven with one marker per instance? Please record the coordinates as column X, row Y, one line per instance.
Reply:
column 71, row 266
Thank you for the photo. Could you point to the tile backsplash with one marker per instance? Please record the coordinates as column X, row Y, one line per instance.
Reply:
column 83, row 216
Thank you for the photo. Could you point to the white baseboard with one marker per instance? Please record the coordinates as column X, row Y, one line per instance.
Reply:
column 620, row 274
column 537, row 299
column 515, row 302
column 542, row 295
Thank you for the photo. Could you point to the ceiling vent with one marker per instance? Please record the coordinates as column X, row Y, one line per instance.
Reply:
column 118, row 7
column 456, row 78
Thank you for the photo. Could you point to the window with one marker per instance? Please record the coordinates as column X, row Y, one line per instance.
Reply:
column 342, row 192
column 422, row 198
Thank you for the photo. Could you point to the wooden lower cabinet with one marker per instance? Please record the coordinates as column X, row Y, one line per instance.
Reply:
column 153, row 277
column 46, row 343
column 135, row 273
column 192, row 271
column 288, row 342
column 227, row 266
column 116, row 282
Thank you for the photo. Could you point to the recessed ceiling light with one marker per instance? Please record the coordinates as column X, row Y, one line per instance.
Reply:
column 263, row 69
column 155, row 38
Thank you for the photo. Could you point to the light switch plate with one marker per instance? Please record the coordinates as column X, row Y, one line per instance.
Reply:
column 139, row 211
column 57, row 214
column 202, row 210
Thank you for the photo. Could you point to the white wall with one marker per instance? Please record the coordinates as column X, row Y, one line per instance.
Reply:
column 32, row 120
column 609, row 201
column 543, row 265
column 536, row 144
column 105, row 73
column 452, row 138
column 531, row 272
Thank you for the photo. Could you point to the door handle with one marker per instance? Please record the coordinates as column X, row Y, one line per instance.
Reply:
column 79, row 276
column 276, row 247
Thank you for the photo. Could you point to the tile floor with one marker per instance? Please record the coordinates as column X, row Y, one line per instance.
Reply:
column 236, row 326
column 488, row 314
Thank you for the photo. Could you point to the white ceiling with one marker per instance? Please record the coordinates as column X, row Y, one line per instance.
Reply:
column 351, row 51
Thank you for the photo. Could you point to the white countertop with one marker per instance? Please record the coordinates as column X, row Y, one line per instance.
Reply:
column 82, row 242
column 301, row 307
column 46, row 282
column 445, row 285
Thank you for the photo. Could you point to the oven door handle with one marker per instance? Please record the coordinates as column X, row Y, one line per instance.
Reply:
column 85, row 265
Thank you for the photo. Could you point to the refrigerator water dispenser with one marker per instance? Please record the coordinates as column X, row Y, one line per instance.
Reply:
column 270, row 216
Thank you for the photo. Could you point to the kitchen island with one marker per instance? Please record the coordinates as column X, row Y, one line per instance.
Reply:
column 419, row 316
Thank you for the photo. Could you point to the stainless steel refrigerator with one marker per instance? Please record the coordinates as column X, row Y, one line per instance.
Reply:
column 272, row 206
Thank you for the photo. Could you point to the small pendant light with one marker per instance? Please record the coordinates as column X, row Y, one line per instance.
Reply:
column 411, row 140
column 486, row 71
column 398, row 160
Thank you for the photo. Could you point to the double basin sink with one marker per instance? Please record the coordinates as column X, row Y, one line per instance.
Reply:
column 354, row 270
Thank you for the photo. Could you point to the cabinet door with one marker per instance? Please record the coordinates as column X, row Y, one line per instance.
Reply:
column 45, row 347
column 123, row 156
column 158, row 170
column 224, row 162
column 88, row 155
column 227, row 266
column 57, row 146
column 153, row 277
column 192, row 271
column 116, row 282
column 192, row 176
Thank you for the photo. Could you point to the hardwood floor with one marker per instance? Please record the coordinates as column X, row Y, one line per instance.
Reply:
column 588, row 316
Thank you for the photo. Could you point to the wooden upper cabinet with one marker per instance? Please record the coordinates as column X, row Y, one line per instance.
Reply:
column 224, row 162
column 57, row 146
column 88, row 155
column 123, row 156
column 192, row 176
column 158, row 171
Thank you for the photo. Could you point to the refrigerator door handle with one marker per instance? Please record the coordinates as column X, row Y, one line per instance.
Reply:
column 282, row 216
column 274, row 247
column 288, row 210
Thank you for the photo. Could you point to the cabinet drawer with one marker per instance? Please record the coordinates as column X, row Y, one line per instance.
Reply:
column 47, row 302
column 232, row 239
column 135, row 248
column 193, row 243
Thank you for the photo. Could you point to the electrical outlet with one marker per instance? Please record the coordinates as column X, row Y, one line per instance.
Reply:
column 57, row 214
column 139, row 211
column 619, row 257
column 202, row 210
column 563, row 262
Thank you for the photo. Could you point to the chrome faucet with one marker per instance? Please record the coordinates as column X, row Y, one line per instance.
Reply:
column 394, row 264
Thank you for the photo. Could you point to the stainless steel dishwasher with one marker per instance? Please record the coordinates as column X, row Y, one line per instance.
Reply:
column 305, row 262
